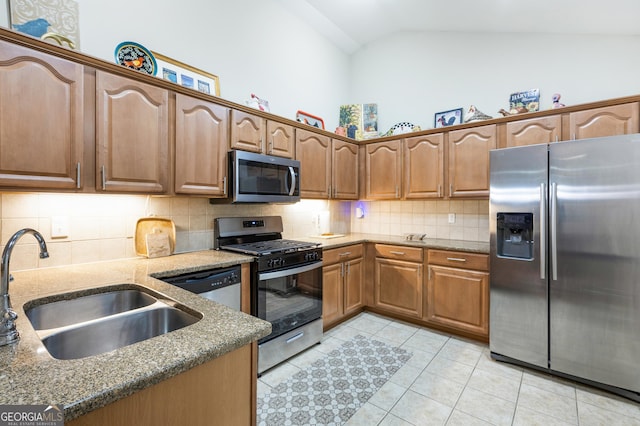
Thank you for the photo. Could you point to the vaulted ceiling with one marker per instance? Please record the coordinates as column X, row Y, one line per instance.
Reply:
column 351, row 24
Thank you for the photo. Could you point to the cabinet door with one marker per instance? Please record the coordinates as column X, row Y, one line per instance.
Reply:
column 345, row 170
column 41, row 120
column 607, row 121
column 424, row 166
column 132, row 135
column 314, row 153
column 280, row 139
column 533, row 131
column 459, row 298
column 383, row 170
column 332, row 298
column 469, row 161
column 398, row 286
column 247, row 131
column 353, row 286
column 201, row 147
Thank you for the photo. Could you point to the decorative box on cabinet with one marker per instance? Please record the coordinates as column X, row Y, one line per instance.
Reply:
column 42, row 119
column 398, row 283
column 201, row 147
column 469, row 161
column 458, row 291
column 132, row 135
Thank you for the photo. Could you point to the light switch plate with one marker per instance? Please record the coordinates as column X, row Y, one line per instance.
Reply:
column 59, row 226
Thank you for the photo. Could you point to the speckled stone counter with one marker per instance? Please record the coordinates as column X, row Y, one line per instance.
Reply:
column 29, row 375
column 432, row 243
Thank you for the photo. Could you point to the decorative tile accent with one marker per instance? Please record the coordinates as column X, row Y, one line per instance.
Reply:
column 332, row 389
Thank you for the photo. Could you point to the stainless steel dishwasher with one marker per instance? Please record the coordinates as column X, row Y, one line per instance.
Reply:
column 220, row 285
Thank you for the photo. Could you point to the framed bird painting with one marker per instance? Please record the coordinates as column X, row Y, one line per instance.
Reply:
column 186, row 75
column 55, row 21
column 448, row 118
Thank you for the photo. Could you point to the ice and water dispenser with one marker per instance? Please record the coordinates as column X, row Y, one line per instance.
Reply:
column 515, row 235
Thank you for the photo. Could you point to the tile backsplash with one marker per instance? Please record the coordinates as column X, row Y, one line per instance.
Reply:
column 102, row 226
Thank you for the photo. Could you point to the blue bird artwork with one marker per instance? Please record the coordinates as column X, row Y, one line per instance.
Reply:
column 36, row 27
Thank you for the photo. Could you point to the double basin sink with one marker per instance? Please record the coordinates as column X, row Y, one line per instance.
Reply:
column 81, row 325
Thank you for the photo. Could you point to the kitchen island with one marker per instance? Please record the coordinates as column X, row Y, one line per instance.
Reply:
column 30, row 375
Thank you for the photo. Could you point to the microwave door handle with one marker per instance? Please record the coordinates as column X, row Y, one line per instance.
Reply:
column 292, row 172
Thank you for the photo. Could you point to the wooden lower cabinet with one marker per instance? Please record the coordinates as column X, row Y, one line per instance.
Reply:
column 221, row 391
column 342, row 283
column 398, row 283
column 458, row 296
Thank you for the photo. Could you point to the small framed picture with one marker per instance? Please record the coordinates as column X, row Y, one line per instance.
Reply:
column 186, row 75
column 448, row 118
column 311, row 120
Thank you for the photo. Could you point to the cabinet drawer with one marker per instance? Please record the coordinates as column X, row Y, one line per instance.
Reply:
column 459, row 259
column 342, row 254
column 411, row 254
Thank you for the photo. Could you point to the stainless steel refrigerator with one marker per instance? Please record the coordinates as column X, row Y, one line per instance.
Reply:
column 565, row 259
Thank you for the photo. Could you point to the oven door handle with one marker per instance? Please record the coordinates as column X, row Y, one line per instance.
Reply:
column 286, row 272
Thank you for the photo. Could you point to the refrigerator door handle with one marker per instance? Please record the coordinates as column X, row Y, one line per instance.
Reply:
column 543, row 231
column 554, row 232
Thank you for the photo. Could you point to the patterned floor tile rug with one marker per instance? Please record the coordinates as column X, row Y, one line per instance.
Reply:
column 332, row 389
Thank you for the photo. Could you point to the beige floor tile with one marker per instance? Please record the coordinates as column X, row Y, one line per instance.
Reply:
column 450, row 369
column 548, row 403
column 495, row 385
column 461, row 352
column 420, row 410
column 387, row 396
column 485, row 363
column 458, row 418
column 486, row 407
column 591, row 415
column 608, row 401
column 367, row 324
column 329, row 343
column 405, row 376
column 527, row 417
column 438, row 388
column 549, row 383
column 306, row 358
column 263, row 388
column 391, row 420
column 279, row 374
column 399, row 335
column 425, row 342
column 419, row 359
column 348, row 333
column 367, row 415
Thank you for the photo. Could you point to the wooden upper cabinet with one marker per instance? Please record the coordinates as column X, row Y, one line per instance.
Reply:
column 41, row 120
column 469, row 161
column 314, row 153
column 606, row 121
column 424, row 166
column 533, row 131
column 132, row 135
column 383, row 170
column 280, row 139
column 247, row 131
column 202, row 138
column 345, row 170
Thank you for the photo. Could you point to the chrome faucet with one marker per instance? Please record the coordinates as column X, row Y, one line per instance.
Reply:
column 8, row 332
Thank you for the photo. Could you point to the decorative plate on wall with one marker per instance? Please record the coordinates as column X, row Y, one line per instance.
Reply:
column 135, row 56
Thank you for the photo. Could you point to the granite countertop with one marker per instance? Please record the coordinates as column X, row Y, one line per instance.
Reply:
column 29, row 375
column 432, row 243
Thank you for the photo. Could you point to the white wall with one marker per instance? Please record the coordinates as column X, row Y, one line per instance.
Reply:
column 254, row 46
column 411, row 76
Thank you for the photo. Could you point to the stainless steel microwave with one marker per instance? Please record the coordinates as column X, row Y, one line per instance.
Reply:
column 257, row 178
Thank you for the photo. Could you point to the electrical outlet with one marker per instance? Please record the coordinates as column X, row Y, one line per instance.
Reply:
column 59, row 226
column 452, row 218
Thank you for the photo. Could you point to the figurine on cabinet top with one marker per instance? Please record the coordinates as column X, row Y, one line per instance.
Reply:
column 556, row 101
column 474, row 114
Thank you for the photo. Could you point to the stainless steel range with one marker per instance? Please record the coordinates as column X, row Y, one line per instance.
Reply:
column 286, row 283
